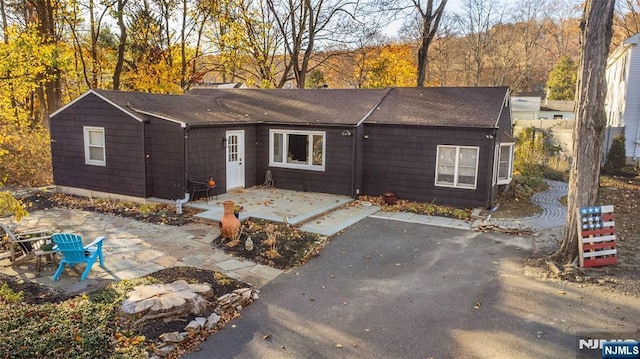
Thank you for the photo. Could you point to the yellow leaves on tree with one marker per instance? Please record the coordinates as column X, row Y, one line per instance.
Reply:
column 25, row 156
column 154, row 74
column 24, row 63
column 11, row 206
column 390, row 66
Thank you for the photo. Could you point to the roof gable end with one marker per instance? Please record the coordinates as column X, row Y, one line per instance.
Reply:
column 105, row 99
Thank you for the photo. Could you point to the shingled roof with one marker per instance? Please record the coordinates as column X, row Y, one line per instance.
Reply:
column 187, row 109
column 295, row 106
column 430, row 106
column 441, row 106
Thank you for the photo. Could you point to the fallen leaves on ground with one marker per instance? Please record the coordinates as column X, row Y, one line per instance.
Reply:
column 274, row 244
column 425, row 208
column 624, row 194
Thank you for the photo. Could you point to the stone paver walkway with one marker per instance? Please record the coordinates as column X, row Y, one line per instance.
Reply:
column 134, row 249
column 553, row 212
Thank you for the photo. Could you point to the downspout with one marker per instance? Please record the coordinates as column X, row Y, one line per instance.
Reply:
column 354, row 191
column 144, row 152
column 185, row 167
column 354, row 152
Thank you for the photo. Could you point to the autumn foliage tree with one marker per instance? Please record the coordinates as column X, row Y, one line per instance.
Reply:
column 24, row 141
column 391, row 66
column 562, row 80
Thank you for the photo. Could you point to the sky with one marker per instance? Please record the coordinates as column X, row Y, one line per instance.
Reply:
column 393, row 27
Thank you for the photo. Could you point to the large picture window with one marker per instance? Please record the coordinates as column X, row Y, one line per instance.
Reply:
column 297, row 149
column 94, row 146
column 457, row 166
column 504, row 163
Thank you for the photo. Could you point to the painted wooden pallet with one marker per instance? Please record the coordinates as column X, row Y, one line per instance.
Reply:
column 597, row 236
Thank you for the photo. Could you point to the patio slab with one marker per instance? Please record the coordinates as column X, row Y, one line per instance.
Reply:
column 338, row 220
column 319, row 213
column 272, row 204
column 423, row 219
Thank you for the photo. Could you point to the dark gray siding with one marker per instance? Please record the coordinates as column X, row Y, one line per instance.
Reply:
column 359, row 162
column 505, row 133
column 165, row 159
column 124, row 172
column 504, row 123
column 337, row 176
column 402, row 159
column 206, row 155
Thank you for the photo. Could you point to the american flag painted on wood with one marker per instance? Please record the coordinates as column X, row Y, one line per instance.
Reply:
column 597, row 236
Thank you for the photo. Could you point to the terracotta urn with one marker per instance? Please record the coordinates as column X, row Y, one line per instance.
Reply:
column 229, row 224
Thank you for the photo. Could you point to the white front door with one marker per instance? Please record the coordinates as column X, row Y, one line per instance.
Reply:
column 235, row 157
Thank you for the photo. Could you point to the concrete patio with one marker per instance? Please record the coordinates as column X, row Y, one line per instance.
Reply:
column 320, row 213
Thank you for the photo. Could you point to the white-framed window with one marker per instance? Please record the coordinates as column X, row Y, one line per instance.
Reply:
column 297, row 149
column 457, row 166
column 94, row 146
column 504, row 163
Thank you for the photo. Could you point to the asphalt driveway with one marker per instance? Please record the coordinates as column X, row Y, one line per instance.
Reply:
column 386, row 289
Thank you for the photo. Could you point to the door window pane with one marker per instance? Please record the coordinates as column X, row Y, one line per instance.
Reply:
column 232, row 148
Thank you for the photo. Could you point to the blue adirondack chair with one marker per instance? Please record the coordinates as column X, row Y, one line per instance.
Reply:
column 73, row 252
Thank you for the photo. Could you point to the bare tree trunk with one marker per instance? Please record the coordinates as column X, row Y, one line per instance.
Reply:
column 121, row 45
column 430, row 22
column 262, row 42
column 304, row 66
column 50, row 93
column 194, row 63
column 183, row 45
column 3, row 16
column 626, row 21
column 588, row 133
column 5, row 32
column 94, row 45
column 166, row 10
column 79, row 54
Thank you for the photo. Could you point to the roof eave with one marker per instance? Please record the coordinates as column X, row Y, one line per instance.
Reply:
column 505, row 101
column 103, row 98
column 182, row 123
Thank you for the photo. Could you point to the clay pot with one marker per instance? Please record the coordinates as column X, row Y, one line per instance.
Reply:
column 229, row 224
column 389, row 198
